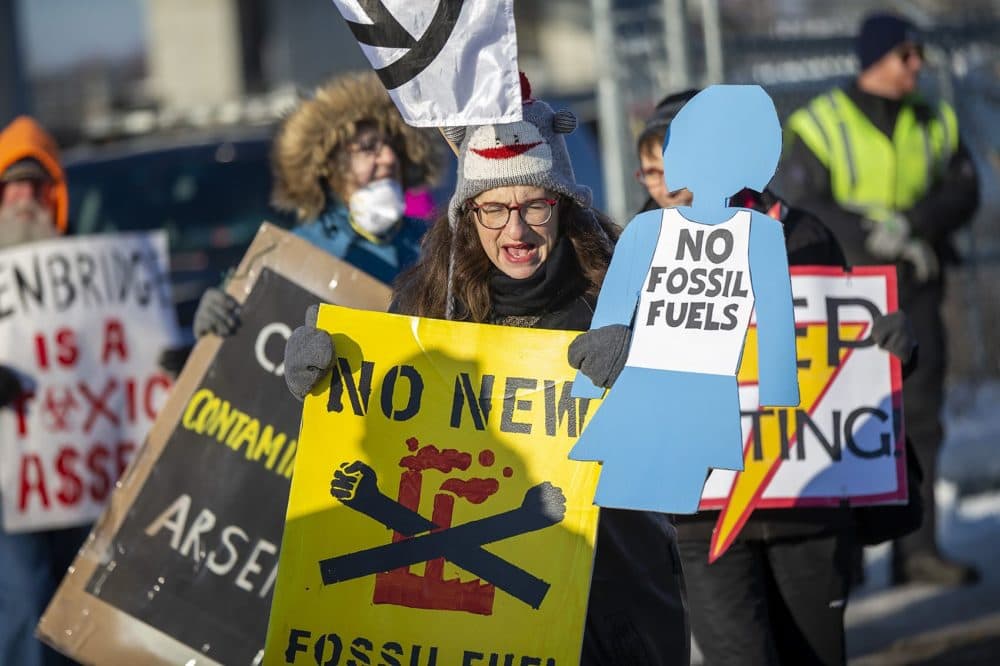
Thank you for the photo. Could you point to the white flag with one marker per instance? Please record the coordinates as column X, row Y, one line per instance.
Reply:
column 444, row 62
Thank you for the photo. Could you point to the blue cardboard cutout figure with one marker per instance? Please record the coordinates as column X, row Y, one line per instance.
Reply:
column 686, row 280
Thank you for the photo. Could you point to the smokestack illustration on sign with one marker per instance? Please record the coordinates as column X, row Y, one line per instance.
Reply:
column 417, row 540
column 442, row 60
column 685, row 281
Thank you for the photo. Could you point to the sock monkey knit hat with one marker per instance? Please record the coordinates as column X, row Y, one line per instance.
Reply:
column 531, row 151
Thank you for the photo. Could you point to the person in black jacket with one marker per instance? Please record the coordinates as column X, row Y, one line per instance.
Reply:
column 778, row 595
column 887, row 171
column 522, row 246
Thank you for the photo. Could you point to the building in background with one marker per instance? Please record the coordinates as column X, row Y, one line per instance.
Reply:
column 211, row 52
column 13, row 89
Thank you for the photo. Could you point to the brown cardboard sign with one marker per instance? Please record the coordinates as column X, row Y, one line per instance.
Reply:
column 181, row 566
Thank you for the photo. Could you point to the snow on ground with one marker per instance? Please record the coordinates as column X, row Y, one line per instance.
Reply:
column 971, row 455
column 879, row 616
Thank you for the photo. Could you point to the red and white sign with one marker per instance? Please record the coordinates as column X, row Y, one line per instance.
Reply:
column 844, row 441
column 82, row 322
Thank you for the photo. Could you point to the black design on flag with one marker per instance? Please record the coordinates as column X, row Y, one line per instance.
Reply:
column 442, row 62
column 386, row 31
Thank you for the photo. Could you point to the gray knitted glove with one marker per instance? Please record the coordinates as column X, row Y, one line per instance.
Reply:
column 887, row 237
column 309, row 355
column 600, row 353
column 217, row 312
column 923, row 259
column 892, row 332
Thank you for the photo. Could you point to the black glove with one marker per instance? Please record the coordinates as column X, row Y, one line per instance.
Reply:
column 309, row 355
column 600, row 353
column 10, row 386
column 172, row 359
column 892, row 332
column 217, row 312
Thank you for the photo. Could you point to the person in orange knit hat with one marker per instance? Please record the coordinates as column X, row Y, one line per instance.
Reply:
column 33, row 207
column 33, row 198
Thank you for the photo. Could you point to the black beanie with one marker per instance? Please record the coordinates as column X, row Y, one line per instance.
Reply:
column 665, row 111
column 881, row 33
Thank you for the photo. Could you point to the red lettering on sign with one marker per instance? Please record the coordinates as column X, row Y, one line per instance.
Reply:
column 71, row 490
column 57, row 408
column 32, row 483
column 114, row 341
column 41, row 352
column 99, row 404
column 161, row 382
column 67, row 351
column 97, row 461
column 80, row 472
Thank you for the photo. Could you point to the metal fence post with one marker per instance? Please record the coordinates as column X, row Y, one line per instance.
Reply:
column 610, row 112
column 675, row 34
column 714, row 67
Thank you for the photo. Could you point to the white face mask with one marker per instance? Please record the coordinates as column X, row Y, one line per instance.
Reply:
column 377, row 206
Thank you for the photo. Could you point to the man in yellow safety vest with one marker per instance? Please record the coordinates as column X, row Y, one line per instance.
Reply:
column 887, row 172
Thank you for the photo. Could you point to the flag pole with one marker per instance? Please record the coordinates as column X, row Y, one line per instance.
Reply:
column 451, row 145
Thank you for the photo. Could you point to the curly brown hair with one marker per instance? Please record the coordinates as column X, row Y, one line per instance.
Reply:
column 306, row 152
column 422, row 290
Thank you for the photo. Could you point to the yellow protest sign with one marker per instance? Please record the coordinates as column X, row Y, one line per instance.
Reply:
column 434, row 517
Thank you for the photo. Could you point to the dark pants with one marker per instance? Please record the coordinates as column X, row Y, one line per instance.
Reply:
column 923, row 399
column 769, row 603
column 637, row 614
column 31, row 566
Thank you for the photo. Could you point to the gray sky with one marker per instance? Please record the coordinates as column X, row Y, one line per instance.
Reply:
column 56, row 33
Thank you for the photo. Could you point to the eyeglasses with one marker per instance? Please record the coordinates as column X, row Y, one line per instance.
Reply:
column 906, row 52
column 370, row 145
column 493, row 215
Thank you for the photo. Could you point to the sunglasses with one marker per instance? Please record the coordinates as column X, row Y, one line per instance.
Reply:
column 907, row 52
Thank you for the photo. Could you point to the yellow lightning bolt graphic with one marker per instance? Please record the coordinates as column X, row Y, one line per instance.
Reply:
column 751, row 483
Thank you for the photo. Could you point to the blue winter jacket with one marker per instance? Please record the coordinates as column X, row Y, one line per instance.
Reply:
column 333, row 232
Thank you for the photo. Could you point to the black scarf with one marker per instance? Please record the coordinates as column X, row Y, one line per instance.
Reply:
column 555, row 282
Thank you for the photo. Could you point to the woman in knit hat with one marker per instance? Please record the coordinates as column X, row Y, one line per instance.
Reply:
column 522, row 246
column 342, row 161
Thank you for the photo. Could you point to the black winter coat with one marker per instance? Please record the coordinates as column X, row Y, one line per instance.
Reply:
column 637, row 611
column 637, row 614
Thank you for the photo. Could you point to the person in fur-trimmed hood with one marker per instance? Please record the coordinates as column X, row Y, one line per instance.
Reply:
column 342, row 161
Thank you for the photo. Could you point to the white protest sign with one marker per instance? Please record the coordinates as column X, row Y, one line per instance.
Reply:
column 82, row 322
column 699, row 281
column 844, row 442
